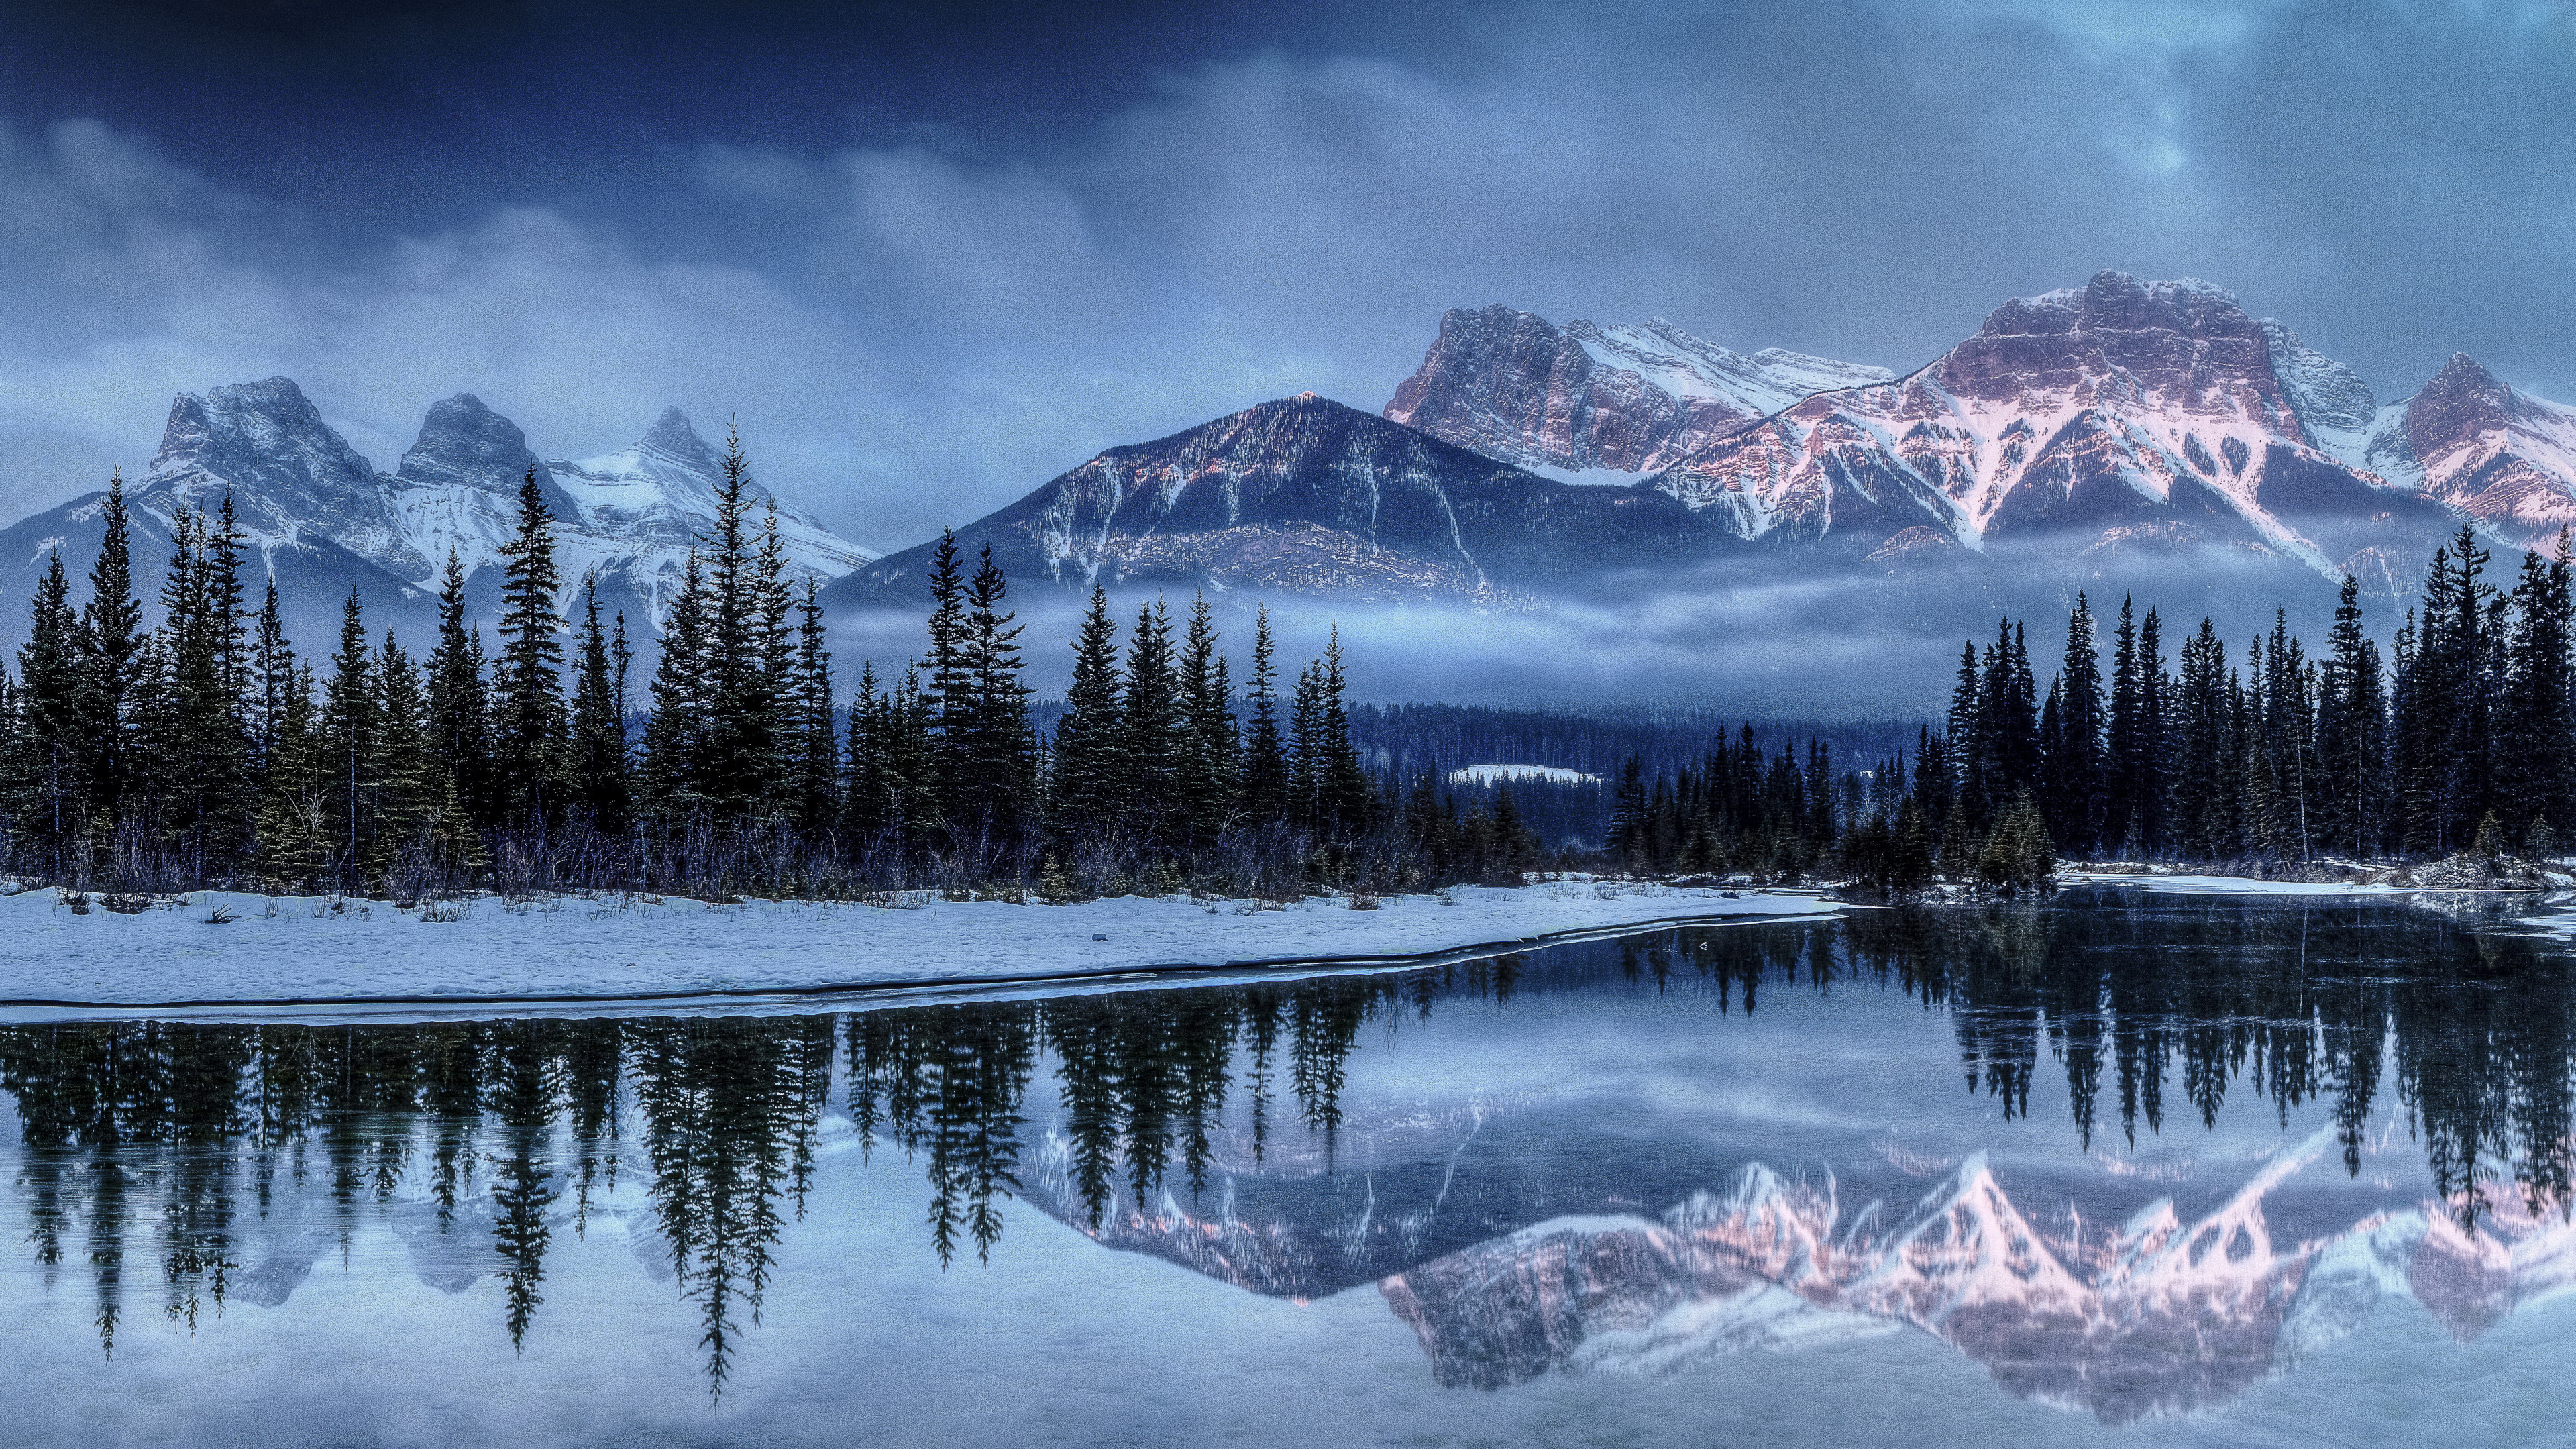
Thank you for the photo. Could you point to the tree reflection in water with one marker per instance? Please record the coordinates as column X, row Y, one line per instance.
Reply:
column 151, row 1142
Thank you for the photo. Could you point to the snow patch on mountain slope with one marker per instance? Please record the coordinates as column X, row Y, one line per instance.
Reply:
column 1684, row 366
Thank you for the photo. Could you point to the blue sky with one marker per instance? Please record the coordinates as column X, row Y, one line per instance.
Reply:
column 929, row 256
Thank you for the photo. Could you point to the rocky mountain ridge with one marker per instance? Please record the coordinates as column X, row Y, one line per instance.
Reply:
column 2122, row 415
column 299, row 488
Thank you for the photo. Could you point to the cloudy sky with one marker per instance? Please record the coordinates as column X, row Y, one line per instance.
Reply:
column 927, row 263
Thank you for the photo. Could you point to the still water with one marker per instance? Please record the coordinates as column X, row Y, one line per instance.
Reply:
column 2124, row 1168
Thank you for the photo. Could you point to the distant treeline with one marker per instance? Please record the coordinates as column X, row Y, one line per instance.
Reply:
column 2462, row 739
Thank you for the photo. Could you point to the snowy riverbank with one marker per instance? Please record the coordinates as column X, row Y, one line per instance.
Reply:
column 325, row 949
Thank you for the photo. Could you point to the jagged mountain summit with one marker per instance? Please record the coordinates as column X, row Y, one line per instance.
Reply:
column 299, row 489
column 2119, row 416
column 1589, row 403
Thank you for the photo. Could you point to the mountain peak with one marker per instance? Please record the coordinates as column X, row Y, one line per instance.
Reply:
column 464, row 444
column 2182, row 339
column 267, row 444
column 1595, row 399
column 2463, row 373
column 674, row 437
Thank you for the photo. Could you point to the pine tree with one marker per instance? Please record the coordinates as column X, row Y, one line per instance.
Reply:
column 2123, row 742
column 732, row 765
column 1308, row 807
column 999, row 785
column 2075, row 769
column 527, row 694
column 598, row 722
column 1087, row 785
column 1265, row 755
column 950, row 687
column 2204, row 750
column 110, row 634
column 677, row 726
column 460, row 706
column 407, row 799
column 2152, row 791
column 818, row 746
column 781, row 749
column 195, row 734
column 49, row 782
column 348, row 747
column 1352, row 794
column 866, row 801
column 1204, row 781
column 272, row 668
column 291, row 827
column 2351, row 720
column 1150, row 718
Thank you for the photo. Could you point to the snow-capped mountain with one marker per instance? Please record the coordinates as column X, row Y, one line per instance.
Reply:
column 1598, row 404
column 2119, row 416
column 299, row 489
column 2120, row 434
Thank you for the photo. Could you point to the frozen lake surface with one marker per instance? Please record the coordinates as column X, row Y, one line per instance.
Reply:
column 2129, row 1168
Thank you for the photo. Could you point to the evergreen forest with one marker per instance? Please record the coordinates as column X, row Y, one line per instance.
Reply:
column 2460, row 739
column 205, row 751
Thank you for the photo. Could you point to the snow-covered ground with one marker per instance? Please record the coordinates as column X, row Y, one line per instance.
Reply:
column 327, row 949
column 2223, row 885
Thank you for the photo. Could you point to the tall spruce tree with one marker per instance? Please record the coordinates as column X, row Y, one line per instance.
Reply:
column 1265, row 754
column 950, row 687
column 1087, row 784
column 527, row 693
column 2351, row 719
column 677, row 726
column 2075, row 771
column 818, row 744
column 350, row 741
column 998, row 791
column 1204, row 777
column 110, row 636
column 598, row 722
column 1150, row 717
column 48, row 775
column 460, row 706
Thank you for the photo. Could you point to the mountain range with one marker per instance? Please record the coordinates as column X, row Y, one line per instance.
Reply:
column 323, row 520
column 2152, row 436
column 2077, row 431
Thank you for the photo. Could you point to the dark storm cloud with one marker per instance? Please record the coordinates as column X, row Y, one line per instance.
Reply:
column 931, row 255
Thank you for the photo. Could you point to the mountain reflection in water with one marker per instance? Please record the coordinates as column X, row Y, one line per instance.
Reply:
column 1516, row 1229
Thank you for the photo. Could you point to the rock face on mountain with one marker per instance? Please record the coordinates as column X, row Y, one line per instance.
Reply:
column 1593, row 399
column 1305, row 495
column 309, row 505
column 2119, row 417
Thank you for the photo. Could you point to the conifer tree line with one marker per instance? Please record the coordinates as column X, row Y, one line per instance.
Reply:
column 207, row 751
column 2461, row 738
